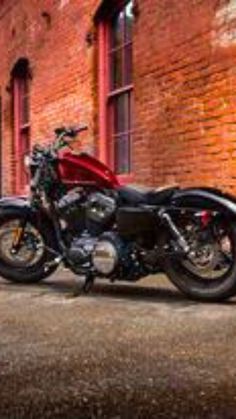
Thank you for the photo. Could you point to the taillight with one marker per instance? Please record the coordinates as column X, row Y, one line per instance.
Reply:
column 205, row 217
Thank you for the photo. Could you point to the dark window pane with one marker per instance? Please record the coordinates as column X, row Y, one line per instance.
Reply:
column 116, row 69
column 117, row 30
column 25, row 86
column 129, row 19
column 120, row 108
column 24, row 101
column 25, row 146
column 25, row 111
column 121, row 114
column 128, row 64
column 122, row 154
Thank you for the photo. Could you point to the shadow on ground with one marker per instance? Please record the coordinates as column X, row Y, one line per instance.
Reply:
column 70, row 286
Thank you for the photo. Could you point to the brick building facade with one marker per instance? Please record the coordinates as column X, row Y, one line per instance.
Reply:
column 167, row 114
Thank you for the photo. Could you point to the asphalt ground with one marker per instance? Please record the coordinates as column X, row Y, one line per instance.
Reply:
column 123, row 351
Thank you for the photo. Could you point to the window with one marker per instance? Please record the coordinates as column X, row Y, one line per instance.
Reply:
column 21, row 118
column 116, row 51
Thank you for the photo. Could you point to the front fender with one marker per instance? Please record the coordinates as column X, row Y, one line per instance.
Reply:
column 205, row 198
column 14, row 206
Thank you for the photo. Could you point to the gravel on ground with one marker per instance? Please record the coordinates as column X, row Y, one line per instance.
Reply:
column 123, row 351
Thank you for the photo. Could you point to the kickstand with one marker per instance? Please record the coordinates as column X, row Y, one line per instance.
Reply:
column 88, row 284
column 86, row 288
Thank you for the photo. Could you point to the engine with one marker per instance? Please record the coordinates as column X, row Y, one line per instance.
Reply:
column 107, row 256
column 81, row 249
column 93, row 213
column 112, row 255
column 100, row 209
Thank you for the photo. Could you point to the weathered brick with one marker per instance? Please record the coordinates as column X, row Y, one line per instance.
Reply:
column 184, row 83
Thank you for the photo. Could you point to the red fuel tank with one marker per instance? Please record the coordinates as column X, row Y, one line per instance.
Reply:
column 85, row 170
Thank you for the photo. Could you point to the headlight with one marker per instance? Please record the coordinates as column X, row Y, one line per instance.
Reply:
column 27, row 161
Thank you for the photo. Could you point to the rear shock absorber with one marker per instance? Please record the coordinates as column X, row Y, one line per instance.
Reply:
column 166, row 218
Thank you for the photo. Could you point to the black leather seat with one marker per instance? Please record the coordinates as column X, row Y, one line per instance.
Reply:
column 131, row 195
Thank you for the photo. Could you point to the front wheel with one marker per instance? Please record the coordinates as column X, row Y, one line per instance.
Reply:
column 27, row 263
column 209, row 271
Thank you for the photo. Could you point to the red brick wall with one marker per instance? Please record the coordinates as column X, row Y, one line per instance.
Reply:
column 184, row 81
column 62, row 64
column 185, row 86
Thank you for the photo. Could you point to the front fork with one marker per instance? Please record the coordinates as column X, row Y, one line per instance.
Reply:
column 19, row 234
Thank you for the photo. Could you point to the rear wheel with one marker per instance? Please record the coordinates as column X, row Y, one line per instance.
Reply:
column 209, row 271
column 27, row 263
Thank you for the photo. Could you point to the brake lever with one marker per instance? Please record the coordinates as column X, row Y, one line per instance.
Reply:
column 82, row 128
column 76, row 130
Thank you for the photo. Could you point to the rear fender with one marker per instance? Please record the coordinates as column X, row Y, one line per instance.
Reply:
column 205, row 199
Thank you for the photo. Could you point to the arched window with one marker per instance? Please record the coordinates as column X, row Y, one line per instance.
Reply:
column 115, row 25
column 21, row 120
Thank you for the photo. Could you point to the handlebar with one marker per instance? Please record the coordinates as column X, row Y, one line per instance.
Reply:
column 70, row 132
column 42, row 155
column 61, row 141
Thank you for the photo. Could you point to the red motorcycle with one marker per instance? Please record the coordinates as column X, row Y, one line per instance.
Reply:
column 79, row 214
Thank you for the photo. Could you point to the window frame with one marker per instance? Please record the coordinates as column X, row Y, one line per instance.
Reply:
column 21, row 128
column 106, row 94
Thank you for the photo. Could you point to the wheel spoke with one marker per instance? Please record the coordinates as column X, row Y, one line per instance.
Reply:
column 211, row 257
column 20, row 247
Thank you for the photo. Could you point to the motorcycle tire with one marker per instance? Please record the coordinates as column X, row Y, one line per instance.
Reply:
column 35, row 272
column 209, row 290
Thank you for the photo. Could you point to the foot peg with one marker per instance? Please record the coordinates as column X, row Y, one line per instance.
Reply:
column 54, row 262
